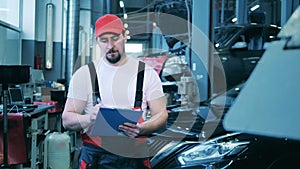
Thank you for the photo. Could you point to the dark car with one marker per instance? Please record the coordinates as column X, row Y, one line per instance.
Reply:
column 240, row 47
column 179, row 146
column 207, row 145
column 267, row 134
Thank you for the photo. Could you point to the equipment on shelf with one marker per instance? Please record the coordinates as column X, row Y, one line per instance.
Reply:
column 10, row 74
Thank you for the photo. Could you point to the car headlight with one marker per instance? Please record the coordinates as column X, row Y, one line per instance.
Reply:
column 211, row 151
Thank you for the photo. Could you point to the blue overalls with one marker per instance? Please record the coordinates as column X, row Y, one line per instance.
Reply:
column 95, row 157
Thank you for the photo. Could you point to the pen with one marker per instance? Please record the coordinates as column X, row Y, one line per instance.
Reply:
column 98, row 100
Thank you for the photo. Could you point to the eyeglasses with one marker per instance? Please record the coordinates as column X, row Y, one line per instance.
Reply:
column 113, row 39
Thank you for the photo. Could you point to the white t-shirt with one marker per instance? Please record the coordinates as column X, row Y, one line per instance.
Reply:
column 117, row 85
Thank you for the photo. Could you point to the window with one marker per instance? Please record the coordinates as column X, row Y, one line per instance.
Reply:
column 10, row 50
column 9, row 12
column 10, row 46
column 134, row 48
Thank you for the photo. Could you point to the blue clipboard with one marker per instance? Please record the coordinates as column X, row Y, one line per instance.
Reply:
column 108, row 121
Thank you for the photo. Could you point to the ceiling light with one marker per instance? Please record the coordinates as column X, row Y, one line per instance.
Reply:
column 121, row 4
column 125, row 16
column 254, row 8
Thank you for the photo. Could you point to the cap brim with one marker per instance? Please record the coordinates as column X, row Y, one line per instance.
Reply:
column 109, row 30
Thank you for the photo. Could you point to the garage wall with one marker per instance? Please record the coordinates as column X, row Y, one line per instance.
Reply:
column 34, row 35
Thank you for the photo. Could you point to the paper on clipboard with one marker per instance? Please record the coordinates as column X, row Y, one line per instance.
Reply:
column 108, row 120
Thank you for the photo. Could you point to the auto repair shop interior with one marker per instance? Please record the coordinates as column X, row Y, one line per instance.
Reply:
column 226, row 67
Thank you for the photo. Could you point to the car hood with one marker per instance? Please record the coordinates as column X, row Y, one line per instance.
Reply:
column 268, row 105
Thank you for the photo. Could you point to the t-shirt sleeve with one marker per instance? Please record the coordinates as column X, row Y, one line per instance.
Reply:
column 80, row 84
column 153, row 86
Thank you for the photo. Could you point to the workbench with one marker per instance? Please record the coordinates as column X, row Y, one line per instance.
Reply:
column 35, row 126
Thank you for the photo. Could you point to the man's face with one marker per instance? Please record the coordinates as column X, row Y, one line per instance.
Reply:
column 112, row 45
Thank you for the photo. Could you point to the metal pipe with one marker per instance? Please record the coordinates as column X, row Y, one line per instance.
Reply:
column 241, row 11
column 107, row 6
column 222, row 12
column 72, row 37
column 5, row 125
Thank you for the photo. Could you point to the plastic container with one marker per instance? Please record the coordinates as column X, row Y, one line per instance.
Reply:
column 57, row 151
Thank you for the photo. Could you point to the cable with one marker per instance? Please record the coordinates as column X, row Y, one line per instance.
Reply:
column 10, row 109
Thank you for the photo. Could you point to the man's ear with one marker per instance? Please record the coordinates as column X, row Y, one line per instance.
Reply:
column 97, row 42
column 126, row 35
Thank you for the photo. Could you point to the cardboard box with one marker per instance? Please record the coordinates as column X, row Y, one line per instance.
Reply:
column 46, row 93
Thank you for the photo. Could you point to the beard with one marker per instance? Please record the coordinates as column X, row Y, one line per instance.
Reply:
column 113, row 56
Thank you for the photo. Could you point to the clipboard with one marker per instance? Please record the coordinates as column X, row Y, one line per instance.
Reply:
column 108, row 121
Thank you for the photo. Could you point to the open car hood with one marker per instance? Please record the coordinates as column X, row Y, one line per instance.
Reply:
column 269, row 102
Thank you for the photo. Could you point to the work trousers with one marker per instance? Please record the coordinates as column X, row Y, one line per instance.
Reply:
column 93, row 157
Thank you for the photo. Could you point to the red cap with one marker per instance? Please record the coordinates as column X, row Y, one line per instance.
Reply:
column 109, row 23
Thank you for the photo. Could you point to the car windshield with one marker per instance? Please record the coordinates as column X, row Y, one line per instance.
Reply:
column 224, row 34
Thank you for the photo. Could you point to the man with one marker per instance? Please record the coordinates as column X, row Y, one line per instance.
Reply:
column 117, row 78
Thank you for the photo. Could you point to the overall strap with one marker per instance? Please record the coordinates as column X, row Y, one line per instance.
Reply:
column 95, row 87
column 139, row 86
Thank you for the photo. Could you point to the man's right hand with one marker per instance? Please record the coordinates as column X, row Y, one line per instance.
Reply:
column 93, row 115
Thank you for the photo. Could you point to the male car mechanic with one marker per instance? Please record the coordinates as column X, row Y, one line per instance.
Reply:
column 117, row 80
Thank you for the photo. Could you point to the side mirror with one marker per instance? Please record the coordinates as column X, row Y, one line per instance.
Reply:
column 239, row 45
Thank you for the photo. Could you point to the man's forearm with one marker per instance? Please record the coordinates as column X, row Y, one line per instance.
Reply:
column 75, row 121
column 156, row 122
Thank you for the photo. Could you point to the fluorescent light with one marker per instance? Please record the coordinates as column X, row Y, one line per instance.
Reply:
column 49, row 36
column 254, row 8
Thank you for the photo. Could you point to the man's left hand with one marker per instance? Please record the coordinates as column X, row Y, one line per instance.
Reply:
column 131, row 130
